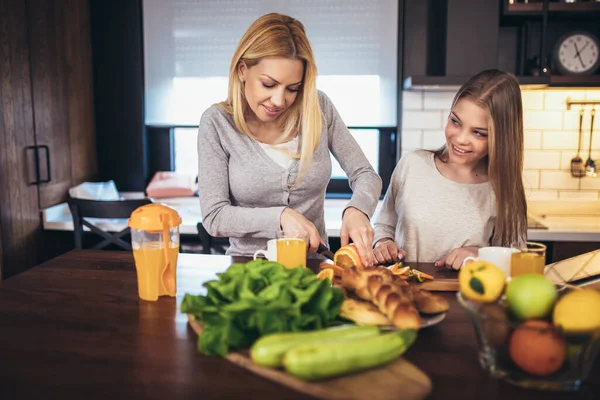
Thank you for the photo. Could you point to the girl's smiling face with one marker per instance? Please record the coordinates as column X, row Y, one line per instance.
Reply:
column 271, row 86
column 467, row 133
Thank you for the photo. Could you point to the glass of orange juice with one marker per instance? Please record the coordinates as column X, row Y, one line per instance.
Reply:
column 291, row 248
column 530, row 260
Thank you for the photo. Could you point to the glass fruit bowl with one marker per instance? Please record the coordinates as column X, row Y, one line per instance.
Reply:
column 532, row 354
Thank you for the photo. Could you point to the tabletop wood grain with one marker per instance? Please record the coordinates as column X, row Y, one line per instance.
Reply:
column 75, row 328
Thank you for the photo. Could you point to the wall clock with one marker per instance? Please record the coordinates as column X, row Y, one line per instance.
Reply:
column 577, row 53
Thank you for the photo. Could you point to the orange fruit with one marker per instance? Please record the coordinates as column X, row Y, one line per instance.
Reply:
column 347, row 256
column 326, row 273
column 537, row 348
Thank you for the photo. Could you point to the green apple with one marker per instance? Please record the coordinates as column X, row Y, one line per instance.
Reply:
column 530, row 296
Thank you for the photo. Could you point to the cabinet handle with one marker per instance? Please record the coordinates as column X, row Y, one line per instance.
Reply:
column 48, row 176
column 36, row 157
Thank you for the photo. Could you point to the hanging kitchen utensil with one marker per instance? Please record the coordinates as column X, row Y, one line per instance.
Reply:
column 590, row 165
column 577, row 167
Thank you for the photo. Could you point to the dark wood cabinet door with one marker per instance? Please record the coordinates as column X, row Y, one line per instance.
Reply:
column 472, row 36
column 62, row 94
column 80, row 91
column 19, row 214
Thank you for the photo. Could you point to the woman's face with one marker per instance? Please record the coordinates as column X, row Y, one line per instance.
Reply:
column 271, row 86
column 467, row 132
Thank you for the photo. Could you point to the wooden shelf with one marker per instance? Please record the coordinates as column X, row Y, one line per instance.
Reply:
column 517, row 8
column 581, row 80
column 537, row 8
column 452, row 83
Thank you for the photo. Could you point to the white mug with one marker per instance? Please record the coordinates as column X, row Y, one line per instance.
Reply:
column 499, row 256
column 270, row 253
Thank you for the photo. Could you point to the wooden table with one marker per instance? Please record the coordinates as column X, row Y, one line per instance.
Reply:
column 74, row 328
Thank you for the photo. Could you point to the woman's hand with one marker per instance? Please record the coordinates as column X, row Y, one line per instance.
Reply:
column 386, row 252
column 292, row 220
column 455, row 258
column 356, row 226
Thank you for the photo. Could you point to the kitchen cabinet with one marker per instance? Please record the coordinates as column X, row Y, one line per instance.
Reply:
column 447, row 41
column 538, row 27
column 47, row 139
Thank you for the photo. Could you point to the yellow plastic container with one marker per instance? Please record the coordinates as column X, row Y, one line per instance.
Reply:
column 155, row 242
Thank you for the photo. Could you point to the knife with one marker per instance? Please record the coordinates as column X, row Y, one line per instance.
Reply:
column 324, row 251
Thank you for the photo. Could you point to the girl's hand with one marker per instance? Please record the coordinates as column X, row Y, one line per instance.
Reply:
column 386, row 252
column 292, row 220
column 455, row 258
column 356, row 226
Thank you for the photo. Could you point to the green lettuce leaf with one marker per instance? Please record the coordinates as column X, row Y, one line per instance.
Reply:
column 253, row 299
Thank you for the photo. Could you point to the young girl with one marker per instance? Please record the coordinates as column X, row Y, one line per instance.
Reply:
column 264, row 153
column 442, row 206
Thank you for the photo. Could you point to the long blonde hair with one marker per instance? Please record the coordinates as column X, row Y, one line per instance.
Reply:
column 499, row 93
column 277, row 35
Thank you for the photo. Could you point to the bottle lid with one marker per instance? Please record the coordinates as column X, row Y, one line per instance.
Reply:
column 150, row 217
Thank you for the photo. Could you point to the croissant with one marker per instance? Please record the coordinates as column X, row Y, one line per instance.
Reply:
column 396, row 299
column 428, row 303
column 393, row 299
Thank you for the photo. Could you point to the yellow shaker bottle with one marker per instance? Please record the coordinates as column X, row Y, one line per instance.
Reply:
column 155, row 242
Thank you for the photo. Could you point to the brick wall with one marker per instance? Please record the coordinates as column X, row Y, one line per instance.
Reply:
column 551, row 134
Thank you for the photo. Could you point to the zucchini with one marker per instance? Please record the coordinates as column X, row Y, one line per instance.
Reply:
column 314, row 362
column 269, row 350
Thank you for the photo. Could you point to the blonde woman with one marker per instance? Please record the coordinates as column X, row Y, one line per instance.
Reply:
column 442, row 206
column 264, row 153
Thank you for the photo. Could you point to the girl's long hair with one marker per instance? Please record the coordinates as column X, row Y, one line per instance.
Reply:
column 277, row 35
column 499, row 93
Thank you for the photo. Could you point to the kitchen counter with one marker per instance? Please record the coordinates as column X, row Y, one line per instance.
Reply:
column 569, row 221
column 58, row 217
column 563, row 221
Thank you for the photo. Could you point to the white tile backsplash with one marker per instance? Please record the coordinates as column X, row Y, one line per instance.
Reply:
column 531, row 179
column 412, row 100
column 412, row 139
column 532, row 140
column 551, row 138
column 583, row 195
column 556, row 99
column 421, row 119
column 438, row 100
column 543, row 120
column 558, row 180
column 560, row 140
column 533, row 100
column 541, row 159
column 542, row 195
column 591, row 183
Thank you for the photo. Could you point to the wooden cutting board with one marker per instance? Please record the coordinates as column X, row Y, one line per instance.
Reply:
column 398, row 380
column 446, row 280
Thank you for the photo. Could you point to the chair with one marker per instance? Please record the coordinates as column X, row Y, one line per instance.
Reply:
column 81, row 209
column 211, row 244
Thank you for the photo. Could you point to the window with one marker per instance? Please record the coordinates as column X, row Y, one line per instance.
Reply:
column 379, row 146
column 188, row 46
